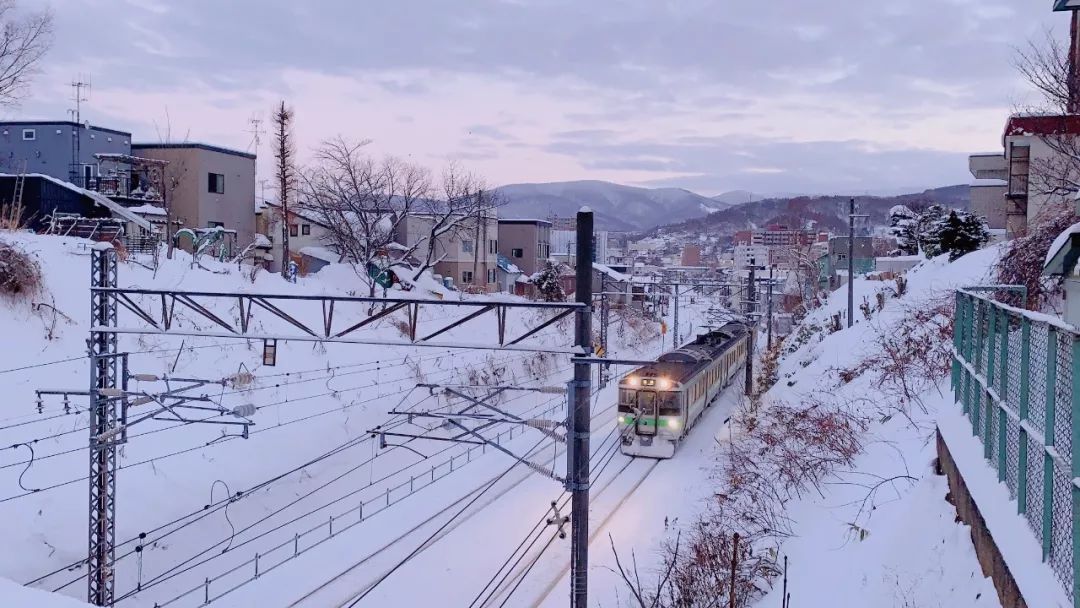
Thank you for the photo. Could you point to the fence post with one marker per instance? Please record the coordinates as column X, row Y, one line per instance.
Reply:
column 1025, row 396
column 1003, row 372
column 1048, row 440
column 965, row 347
column 991, row 405
column 1075, row 456
column 976, row 365
column 957, row 342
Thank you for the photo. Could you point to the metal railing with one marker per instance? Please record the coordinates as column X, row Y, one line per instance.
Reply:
column 1016, row 374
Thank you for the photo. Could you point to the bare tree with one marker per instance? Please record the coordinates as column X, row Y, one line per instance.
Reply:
column 363, row 203
column 462, row 203
column 284, row 153
column 24, row 40
column 167, row 179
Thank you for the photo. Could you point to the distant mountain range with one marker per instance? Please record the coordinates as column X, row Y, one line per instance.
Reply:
column 825, row 212
column 634, row 209
column 616, row 207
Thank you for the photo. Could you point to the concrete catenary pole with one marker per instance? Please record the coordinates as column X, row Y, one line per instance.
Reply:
column 851, row 265
column 580, row 420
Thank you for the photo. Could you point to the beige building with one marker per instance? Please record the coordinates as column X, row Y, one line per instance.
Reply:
column 215, row 186
column 464, row 256
column 304, row 232
column 1025, row 146
column 526, row 243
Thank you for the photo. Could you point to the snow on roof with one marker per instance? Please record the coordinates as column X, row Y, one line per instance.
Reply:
column 114, row 207
column 1058, row 251
column 614, row 274
column 321, row 253
column 147, row 209
column 507, row 266
column 261, row 240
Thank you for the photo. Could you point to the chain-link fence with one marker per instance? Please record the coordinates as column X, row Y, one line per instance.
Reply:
column 1016, row 376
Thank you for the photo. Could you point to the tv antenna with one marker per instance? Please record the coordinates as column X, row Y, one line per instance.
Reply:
column 80, row 92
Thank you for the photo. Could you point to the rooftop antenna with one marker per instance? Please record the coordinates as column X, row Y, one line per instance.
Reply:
column 256, row 131
column 80, row 92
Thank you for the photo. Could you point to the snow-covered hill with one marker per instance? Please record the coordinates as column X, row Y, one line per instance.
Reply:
column 617, row 207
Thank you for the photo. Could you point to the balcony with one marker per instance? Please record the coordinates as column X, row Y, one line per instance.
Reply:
column 988, row 166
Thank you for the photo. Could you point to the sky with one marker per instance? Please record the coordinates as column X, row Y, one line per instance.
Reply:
column 777, row 96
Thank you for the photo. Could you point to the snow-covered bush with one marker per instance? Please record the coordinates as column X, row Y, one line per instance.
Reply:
column 20, row 274
column 1022, row 261
column 547, row 283
column 784, row 452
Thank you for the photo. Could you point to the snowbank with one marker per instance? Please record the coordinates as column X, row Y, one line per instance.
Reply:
column 14, row 595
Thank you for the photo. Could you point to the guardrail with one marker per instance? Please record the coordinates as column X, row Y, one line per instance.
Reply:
column 1016, row 374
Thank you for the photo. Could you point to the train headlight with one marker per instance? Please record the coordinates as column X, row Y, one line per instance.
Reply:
column 663, row 383
column 673, row 424
column 632, row 380
column 622, row 419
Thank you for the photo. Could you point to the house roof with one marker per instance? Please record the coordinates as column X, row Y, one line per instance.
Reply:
column 1019, row 124
column 300, row 214
column 1062, row 256
column 191, row 145
column 54, row 123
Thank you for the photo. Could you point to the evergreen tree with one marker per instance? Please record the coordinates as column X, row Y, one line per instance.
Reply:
column 926, row 229
column 960, row 233
column 547, row 283
column 902, row 226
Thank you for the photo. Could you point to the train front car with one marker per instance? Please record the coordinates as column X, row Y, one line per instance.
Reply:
column 660, row 402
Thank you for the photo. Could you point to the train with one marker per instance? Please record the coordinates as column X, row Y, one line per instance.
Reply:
column 660, row 403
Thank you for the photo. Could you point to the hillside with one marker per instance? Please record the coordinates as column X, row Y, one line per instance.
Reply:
column 617, row 207
column 828, row 212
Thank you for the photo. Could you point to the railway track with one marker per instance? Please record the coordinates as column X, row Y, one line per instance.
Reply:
column 302, row 601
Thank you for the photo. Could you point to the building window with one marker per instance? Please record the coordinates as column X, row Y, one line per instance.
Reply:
column 294, row 230
column 493, row 246
column 29, row 134
column 491, row 276
column 466, row 276
column 517, row 253
column 216, row 183
column 466, row 247
column 305, row 229
column 215, row 224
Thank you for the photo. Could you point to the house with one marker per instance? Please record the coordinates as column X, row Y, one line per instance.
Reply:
column 509, row 277
column 833, row 264
column 304, row 231
column 618, row 285
column 525, row 242
column 210, row 187
column 751, row 255
column 467, row 255
column 62, row 149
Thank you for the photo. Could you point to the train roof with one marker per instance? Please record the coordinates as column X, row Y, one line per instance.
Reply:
column 682, row 363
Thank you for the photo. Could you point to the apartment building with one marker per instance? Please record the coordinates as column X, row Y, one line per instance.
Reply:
column 468, row 257
column 746, row 256
column 62, row 149
column 526, row 243
column 215, row 187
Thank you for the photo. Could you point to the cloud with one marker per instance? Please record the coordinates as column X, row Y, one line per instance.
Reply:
column 564, row 89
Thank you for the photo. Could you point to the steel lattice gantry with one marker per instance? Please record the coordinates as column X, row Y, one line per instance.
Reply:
column 318, row 318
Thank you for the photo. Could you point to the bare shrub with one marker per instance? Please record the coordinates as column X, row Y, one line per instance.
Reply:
column 914, row 354
column 784, row 452
column 1022, row 261
column 20, row 274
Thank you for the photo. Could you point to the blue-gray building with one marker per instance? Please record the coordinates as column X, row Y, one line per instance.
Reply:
column 61, row 149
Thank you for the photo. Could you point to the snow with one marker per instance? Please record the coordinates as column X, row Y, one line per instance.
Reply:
column 261, row 240
column 321, row 253
column 1060, row 242
column 147, row 209
column 104, row 201
column 14, row 595
column 334, row 393
column 613, row 274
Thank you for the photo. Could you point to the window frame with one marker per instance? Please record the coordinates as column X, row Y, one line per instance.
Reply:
column 517, row 253
column 294, row 230
column 31, row 132
column 305, row 229
column 466, row 277
column 468, row 246
column 215, row 183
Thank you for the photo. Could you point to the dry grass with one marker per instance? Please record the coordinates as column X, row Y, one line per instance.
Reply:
column 20, row 274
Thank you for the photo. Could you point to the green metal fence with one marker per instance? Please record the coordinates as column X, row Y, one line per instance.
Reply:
column 1016, row 375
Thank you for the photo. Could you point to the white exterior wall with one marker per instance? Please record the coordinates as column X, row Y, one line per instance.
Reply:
column 751, row 255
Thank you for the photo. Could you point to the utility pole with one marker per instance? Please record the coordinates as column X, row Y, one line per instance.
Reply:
column 769, row 304
column 851, row 265
column 675, row 325
column 577, row 474
column 476, row 242
column 751, row 330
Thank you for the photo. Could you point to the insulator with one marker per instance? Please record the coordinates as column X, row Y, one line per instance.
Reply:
column 245, row 410
column 145, row 377
column 540, row 423
column 110, row 392
column 552, row 390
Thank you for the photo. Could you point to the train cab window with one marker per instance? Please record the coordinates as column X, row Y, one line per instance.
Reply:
column 627, row 399
column 668, row 404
